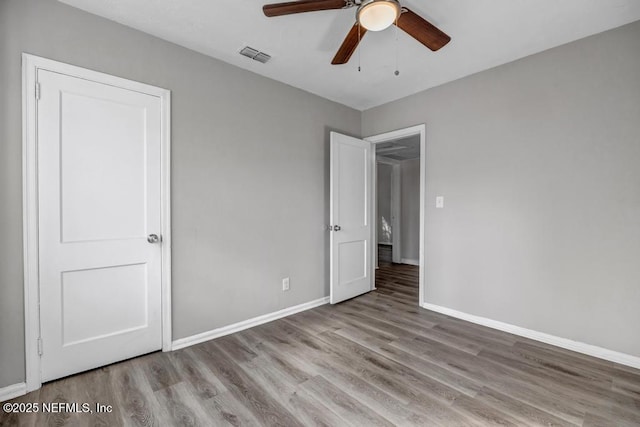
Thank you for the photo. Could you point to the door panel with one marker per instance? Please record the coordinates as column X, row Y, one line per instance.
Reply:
column 352, row 177
column 99, row 197
column 94, row 208
column 87, row 294
column 350, row 217
column 355, row 265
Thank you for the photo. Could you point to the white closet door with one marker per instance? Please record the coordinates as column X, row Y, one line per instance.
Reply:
column 99, row 200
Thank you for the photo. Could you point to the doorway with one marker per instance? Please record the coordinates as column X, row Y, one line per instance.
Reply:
column 97, row 235
column 400, row 173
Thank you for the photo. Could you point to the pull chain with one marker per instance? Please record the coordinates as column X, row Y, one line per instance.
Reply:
column 359, row 47
column 397, row 72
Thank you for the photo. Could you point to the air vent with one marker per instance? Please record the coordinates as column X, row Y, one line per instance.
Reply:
column 254, row 54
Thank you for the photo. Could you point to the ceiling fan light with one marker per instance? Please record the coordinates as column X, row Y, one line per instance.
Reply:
column 376, row 15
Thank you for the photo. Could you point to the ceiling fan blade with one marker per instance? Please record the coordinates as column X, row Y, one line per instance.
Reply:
column 421, row 30
column 349, row 45
column 279, row 9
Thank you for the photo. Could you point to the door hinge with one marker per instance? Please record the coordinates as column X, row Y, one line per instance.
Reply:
column 40, row 346
column 37, row 91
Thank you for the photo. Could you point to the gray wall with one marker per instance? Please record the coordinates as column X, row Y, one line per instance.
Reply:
column 410, row 209
column 383, row 199
column 539, row 163
column 249, row 159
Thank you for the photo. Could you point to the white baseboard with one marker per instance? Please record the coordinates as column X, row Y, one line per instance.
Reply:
column 246, row 324
column 410, row 261
column 12, row 391
column 580, row 347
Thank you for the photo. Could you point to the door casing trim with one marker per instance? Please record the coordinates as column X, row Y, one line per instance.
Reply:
column 30, row 66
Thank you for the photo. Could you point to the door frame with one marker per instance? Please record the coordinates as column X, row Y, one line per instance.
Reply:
column 30, row 66
column 390, row 136
column 396, row 207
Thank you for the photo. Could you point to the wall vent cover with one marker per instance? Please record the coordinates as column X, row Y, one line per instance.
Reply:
column 255, row 54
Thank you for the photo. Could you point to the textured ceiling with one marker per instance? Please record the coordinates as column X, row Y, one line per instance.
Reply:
column 485, row 33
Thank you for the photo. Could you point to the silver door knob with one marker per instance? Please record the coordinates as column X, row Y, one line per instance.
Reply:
column 336, row 228
column 153, row 238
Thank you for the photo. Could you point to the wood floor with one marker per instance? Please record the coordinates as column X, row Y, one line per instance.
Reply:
column 377, row 360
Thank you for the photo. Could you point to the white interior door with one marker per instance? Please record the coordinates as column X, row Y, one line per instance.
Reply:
column 99, row 189
column 351, row 216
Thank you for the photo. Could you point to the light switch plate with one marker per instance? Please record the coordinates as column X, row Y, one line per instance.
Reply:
column 440, row 202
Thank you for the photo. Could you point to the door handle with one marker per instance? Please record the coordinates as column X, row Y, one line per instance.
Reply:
column 337, row 228
column 153, row 238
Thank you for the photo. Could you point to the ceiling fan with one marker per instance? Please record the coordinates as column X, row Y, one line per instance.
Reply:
column 371, row 15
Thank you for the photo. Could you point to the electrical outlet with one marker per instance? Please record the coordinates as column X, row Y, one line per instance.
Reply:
column 285, row 284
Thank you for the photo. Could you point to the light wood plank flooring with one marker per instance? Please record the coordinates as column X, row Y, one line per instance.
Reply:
column 377, row 360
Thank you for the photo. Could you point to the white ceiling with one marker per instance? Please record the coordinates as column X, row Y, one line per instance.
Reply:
column 485, row 33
